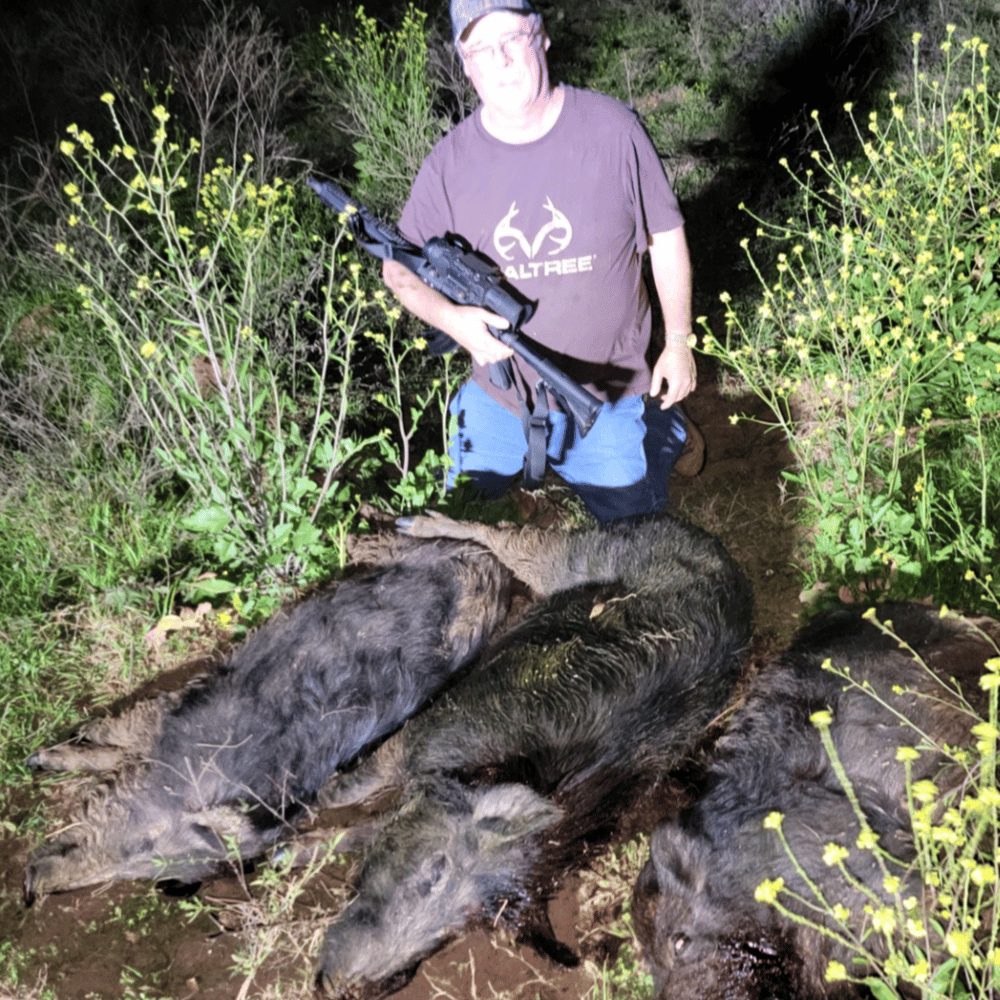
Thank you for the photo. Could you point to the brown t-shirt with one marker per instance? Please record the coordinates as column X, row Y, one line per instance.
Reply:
column 567, row 218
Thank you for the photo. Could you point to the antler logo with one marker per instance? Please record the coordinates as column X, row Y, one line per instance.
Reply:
column 506, row 236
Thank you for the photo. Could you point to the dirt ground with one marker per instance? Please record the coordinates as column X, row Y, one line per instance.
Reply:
column 135, row 940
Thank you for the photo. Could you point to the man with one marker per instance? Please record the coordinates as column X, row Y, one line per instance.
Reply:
column 563, row 189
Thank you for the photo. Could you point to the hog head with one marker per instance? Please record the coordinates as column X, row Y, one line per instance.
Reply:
column 699, row 946
column 132, row 836
column 450, row 857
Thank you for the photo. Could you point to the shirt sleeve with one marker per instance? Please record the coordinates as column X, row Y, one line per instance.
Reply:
column 656, row 206
column 427, row 212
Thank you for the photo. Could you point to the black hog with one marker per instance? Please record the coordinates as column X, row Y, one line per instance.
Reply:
column 227, row 764
column 533, row 755
column 702, row 931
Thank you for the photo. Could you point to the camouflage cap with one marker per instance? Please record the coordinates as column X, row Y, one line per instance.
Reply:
column 464, row 12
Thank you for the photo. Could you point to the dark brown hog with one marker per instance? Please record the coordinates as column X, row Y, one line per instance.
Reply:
column 532, row 757
column 702, row 931
column 228, row 764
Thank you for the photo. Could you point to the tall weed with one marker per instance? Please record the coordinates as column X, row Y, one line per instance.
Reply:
column 940, row 942
column 382, row 81
column 876, row 342
column 202, row 290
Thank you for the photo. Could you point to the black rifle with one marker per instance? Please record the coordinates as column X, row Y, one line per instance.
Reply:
column 451, row 267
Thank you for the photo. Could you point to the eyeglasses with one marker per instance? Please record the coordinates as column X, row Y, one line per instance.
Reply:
column 518, row 41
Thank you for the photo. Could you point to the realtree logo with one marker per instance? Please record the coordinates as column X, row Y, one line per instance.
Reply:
column 557, row 231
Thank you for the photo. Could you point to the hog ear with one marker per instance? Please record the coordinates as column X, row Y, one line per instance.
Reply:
column 680, row 860
column 511, row 812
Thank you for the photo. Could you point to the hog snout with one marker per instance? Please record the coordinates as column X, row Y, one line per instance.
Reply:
column 333, row 987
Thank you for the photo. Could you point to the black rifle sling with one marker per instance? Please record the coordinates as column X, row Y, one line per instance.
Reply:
column 534, row 424
column 536, row 433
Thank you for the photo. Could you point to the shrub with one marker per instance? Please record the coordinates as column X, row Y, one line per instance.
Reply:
column 876, row 340
column 382, row 82
column 230, row 338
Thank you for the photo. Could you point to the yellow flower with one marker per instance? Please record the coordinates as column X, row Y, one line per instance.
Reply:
column 833, row 854
column 987, row 731
column 906, row 753
column 767, row 891
column 958, row 943
column 160, row 113
column 128, row 152
column 148, row 349
column 71, row 189
column 60, row 249
column 841, row 913
column 772, row 821
column 835, row 972
column 108, row 98
column 867, row 840
column 884, row 920
column 983, row 875
column 66, row 147
column 821, row 719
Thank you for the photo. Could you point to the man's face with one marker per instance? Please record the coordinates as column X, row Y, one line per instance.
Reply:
column 504, row 57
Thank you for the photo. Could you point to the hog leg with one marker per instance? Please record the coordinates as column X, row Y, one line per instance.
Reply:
column 538, row 557
column 110, row 743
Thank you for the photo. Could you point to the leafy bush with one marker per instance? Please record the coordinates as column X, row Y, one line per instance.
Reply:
column 640, row 48
column 235, row 342
column 876, row 341
column 383, row 83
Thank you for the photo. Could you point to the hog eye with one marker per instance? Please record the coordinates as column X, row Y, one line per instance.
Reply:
column 437, row 868
column 680, row 943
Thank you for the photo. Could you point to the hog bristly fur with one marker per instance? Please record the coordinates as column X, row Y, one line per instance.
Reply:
column 509, row 775
column 228, row 764
column 702, row 932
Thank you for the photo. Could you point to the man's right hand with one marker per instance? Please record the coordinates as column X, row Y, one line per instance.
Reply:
column 468, row 326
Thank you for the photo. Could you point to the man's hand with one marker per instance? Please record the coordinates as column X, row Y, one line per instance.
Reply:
column 466, row 325
column 469, row 328
column 674, row 375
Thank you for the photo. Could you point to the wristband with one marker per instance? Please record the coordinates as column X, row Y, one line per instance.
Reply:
column 678, row 338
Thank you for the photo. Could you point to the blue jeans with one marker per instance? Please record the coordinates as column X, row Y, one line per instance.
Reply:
column 620, row 469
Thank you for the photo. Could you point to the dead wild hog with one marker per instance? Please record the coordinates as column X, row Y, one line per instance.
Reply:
column 602, row 687
column 703, row 933
column 229, row 762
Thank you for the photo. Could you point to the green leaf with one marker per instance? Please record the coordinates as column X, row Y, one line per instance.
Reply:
column 880, row 990
column 212, row 586
column 208, row 519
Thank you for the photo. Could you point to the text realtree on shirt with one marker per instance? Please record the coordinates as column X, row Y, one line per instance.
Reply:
column 567, row 218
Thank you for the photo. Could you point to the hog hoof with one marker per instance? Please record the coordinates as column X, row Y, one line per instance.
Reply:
column 430, row 525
